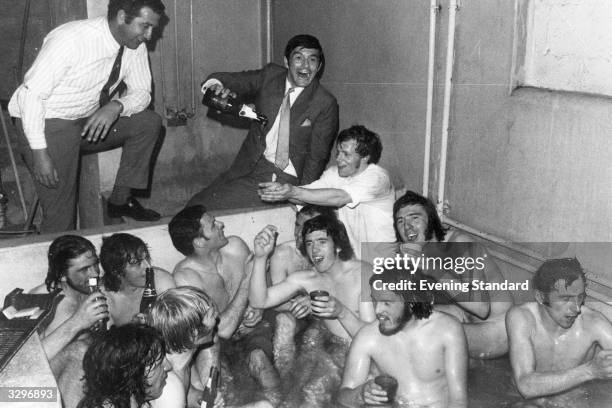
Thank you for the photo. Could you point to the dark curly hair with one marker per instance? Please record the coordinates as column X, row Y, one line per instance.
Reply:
column 117, row 363
column 434, row 224
column 117, row 251
column 306, row 41
column 132, row 8
column 334, row 229
column 368, row 142
column 61, row 251
column 553, row 270
column 184, row 227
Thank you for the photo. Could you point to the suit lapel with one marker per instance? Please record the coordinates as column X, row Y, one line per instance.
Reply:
column 302, row 102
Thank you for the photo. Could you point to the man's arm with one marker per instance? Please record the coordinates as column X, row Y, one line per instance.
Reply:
column 90, row 311
column 51, row 64
column 67, row 367
column 324, row 131
column 138, row 82
column 355, row 391
column 455, row 364
column 260, row 296
column 531, row 384
column 334, row 309
column 332, row 197
column 244, row 83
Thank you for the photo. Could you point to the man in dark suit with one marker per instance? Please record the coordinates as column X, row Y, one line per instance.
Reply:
column 293, row 147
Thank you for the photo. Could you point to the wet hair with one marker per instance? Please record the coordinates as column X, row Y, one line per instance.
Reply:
column 178, row 314
column 185, row 227
column 116, row 253
column 368, row 142
column 61, row 251
column 116, row 365
column 335, row 229
column 434, row 224
column 132, row 8
column 312, row 209
column 417, row 302
column 306, row 41
column 554, row 270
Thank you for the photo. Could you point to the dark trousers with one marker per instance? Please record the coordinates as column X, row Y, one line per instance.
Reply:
column 137, row 135
column 241, row 192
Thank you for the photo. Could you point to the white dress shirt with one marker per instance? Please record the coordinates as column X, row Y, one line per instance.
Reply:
column 69, row 73
column 368, row 218
column 272, row 136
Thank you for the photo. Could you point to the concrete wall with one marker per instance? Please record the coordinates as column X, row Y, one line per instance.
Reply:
column 568, row 47
column 530, row 165
column 376, row 65
column 24, row 265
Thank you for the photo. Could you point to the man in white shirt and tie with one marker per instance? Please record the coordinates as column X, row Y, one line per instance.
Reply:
column 65, row 107
column 295, row 145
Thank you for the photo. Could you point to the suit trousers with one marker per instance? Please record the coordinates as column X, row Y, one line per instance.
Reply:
column 241, row 192
column 136, row 134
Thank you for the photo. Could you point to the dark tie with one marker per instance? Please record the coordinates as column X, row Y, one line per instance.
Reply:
column 105, row 95
column 282, row 147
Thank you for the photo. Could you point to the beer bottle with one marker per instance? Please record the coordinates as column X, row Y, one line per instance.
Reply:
column 232, row 106
column 100, row 325
column 150, row 294
column 210, row 391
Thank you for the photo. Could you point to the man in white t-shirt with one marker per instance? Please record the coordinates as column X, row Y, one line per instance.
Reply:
column 360, row 189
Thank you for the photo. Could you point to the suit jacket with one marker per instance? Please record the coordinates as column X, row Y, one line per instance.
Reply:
column 313, row 125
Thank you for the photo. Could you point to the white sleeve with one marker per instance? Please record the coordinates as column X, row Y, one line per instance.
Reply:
column 367, row 186
column 138, row 81
column 55, row 58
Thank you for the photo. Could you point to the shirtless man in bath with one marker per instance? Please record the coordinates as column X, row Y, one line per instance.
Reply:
column 341, row 313
column 286, row 259
column 424, row 350
column 125, row 258
column 419, row 231
column 335, row 271
column 557, row 343
column 72, row 261
column 219, row 265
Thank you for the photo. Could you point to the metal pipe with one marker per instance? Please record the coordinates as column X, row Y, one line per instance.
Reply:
column 448, row 82
column 268, row 31
column 9, row 147
column 192, row 66
column 492, row 238
column 22, row 40
column 433, row 13
column 523, row 251
column 176, row 58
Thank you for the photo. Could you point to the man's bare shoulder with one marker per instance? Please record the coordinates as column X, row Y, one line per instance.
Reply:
column 39, row 289
column 235, row 248
column 442, row 321
column 163, row 280
column 285, row 250
column 522, row 314
column 368, row 336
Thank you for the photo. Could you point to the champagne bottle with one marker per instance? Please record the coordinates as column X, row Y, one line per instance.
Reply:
column 210, row 390
column 233, row 106
column 149, row 295
column 100, row 325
